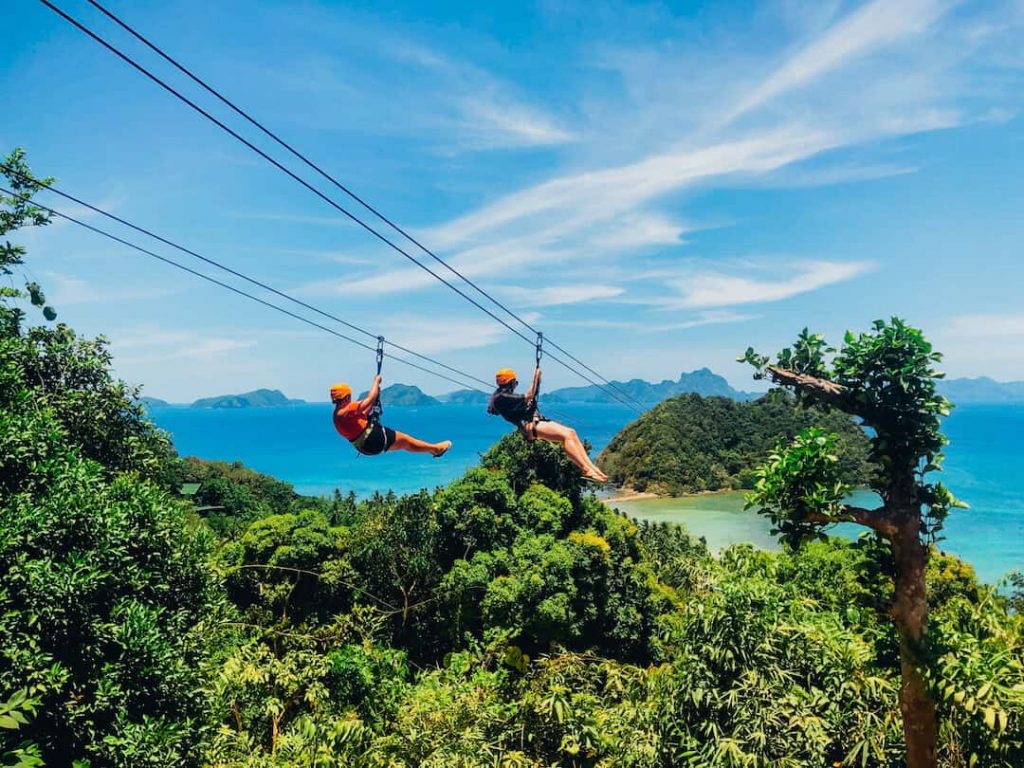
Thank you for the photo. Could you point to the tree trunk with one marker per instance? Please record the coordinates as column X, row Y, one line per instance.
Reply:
column 910, row 614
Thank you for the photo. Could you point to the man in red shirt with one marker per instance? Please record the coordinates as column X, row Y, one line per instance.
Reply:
column 369, row 436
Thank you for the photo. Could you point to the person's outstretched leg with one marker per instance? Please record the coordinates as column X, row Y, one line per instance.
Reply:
column 404, row 442
column 573, row 443
column 554, row 432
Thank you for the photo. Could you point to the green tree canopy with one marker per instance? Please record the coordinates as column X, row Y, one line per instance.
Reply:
column 690, row 443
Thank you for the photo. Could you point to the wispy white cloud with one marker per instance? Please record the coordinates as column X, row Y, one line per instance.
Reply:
column 987, row 326
column 331, row 256
column 870, row 27
column 713, row 289
column 156, row 345
column 604, row 212
column 493, row 119
column 712, row 317
column 431, row 334
column 411, row 88
column 554, row 295
column 589, row 215
column 849, row 173
column 984, row 343
column 869, row 75
column 293, row 218
column 67, row 290
column 591, row 323
column 600, row 194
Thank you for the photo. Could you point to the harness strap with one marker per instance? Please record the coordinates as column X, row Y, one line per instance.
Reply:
column 540, row 354
column 360, row 440
column 378, row 410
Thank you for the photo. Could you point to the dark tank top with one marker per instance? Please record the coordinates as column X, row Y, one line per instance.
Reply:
column 512, row 407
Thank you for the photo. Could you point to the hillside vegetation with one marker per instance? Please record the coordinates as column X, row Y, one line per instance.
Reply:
column 509, row 620
column 690, row 443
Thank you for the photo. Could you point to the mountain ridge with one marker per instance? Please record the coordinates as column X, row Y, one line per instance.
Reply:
column 982, row 389
column 257, row 398
column 702, row 381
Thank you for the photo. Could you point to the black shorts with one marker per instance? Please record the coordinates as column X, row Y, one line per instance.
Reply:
column 376, row 440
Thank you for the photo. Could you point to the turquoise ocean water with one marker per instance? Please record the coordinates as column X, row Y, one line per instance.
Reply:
column 984, row 465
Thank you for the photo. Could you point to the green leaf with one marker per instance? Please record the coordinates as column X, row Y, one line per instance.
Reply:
column 990, row 718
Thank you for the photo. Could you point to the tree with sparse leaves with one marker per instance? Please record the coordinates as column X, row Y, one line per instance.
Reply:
column 16, row 211
column 885, row 378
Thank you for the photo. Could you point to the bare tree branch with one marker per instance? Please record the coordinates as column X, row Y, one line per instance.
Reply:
column 823, row 390
column 879, row 520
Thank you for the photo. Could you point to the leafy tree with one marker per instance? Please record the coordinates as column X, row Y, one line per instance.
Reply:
column 14, row 713
column 885, row 378
column 68, row 375
column 527, row 463
column 231, row 495
column 103, row 584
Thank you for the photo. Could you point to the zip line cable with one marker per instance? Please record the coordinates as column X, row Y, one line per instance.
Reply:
column 233, row 289
column 177, row 94
column 242, row 275
column 347, row 190
column 141, row 69
column 171, row 262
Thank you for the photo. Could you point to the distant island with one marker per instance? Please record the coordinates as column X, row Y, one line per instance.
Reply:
column 404, row 394
column 982, row 390
column 464, row 397
column 258, row 398
column 690, row 444
column 700, row 382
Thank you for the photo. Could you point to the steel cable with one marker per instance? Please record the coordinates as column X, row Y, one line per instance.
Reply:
column 177, row 94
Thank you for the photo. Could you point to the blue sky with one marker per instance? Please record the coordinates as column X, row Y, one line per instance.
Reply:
column 656, row 186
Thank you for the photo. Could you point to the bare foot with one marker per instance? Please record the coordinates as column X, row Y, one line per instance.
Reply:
column 596, row 477
column 441, row 449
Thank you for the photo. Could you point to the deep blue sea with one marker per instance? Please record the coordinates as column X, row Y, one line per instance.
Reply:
column 984, row 464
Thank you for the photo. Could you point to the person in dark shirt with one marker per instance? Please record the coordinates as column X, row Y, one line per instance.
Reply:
column 522, row 411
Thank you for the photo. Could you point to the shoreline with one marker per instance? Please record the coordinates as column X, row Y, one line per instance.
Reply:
column 627, row 494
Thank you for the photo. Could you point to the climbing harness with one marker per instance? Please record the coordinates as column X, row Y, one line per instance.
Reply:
column 373, row 425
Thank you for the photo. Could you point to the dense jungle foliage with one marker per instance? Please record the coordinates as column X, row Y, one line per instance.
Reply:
column 508, row 620
column 690, row 443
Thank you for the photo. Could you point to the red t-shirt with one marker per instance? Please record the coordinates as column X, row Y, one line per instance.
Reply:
column 350, row 421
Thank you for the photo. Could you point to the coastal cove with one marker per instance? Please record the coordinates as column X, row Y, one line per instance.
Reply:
column 297, row 443
column 993, row 548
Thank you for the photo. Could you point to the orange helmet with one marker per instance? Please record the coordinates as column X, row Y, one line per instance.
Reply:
column 340, row 392
column 505, row 376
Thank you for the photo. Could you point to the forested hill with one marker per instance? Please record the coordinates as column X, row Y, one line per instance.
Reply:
column 691, row 443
